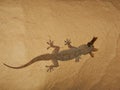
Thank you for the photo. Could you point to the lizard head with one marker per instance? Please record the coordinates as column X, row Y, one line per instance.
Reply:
column 91, row 44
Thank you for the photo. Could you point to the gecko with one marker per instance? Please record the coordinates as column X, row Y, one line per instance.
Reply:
column 69, row 54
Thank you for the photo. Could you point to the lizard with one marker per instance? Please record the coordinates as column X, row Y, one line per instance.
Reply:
column 69, row 54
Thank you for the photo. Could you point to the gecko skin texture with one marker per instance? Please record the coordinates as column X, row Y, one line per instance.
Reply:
column 71, row 53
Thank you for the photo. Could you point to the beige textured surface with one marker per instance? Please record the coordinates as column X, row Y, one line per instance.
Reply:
column 26, row 25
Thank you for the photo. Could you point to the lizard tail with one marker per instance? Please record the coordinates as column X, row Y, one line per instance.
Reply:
column 38, row 58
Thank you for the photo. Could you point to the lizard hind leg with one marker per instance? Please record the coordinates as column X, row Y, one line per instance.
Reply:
column 51, row 45
column 56, row 50
column 55, row 64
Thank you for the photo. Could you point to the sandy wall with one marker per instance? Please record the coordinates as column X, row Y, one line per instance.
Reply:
column 26, row 26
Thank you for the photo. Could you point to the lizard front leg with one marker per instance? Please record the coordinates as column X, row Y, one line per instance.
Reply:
column 77, row 59
column 94, row 50
column 91, row 54
column 68, row 43
column 55, row 64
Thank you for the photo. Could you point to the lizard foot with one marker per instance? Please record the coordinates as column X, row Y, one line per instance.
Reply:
column 50, row 68
column 50, row 43
column 67, row 41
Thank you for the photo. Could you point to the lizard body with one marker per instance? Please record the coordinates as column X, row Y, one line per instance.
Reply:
column 65, row 55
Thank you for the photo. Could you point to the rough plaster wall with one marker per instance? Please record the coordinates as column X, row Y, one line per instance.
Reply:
column 26, row 25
